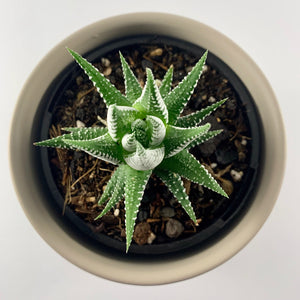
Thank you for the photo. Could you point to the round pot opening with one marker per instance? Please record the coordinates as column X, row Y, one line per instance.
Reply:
column 216, row 229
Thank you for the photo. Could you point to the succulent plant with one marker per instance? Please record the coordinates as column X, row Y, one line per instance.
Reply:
column 145, row 134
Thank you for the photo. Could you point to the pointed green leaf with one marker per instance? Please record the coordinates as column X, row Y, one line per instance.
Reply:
column 110, row 185
column 132, row 87
column 107, row 90
column 178, row 138
column 103, row 148
column 135, row 183
column 186, row 165
column 151, row 102
column 175, row 185
column 195, row 118
column 179, row 96
column 166, row 83
column 203, row 138
column 157, row 130
column 76, row 134
column 117, row 192
column 145, row 159
column 119, row 119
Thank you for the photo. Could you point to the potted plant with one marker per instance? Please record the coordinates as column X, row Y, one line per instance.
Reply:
column 77, row 245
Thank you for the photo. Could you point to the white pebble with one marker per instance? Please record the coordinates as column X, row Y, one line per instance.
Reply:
column 80, row 124
column 116, row 212
column 151, row 238
column 105, row 62
column 158, row 82
column 244, row 142
column 211, row 99
column 236, row 175
column 205, row 68
column 213, row 165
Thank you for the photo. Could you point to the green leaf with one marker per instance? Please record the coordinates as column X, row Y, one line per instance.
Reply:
column 117, row 191
column 178, row 138
column 110, row 185
column 203, row 138
column 157, row 130
column 186, row 165
column 166, row 83
column 179, row 96
column 76, row 134
column 119, row 119
column 135, row 183
column 175, row 185
column 107, row 90
column 151, row 102
column 145, row 159
column 132, row 87
column 103, row 148
column 195, row 118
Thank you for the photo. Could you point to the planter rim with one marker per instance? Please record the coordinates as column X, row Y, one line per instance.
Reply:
column 157, row 272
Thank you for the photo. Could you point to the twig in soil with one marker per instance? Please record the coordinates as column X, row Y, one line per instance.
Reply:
column 82, row 94
column 68, row 193
column 86, row 173
column 155, row 62
column 102, row 121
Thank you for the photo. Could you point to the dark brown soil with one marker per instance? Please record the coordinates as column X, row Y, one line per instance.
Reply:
column 81, row 178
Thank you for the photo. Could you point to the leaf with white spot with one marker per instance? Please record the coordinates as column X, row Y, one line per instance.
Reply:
column 195, row 118
column 178, row 138
column 107, row 90
column 166, row 83
column 145, row 159
column 151, row 102
column 135, row 182
column 186, row 165
column 132, row 87
column 179, row 96
column 103, row 148
column 75, row 134
column 175, row 185
column 119, row 119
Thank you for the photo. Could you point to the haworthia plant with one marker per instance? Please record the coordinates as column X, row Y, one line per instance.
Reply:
column 145, row 134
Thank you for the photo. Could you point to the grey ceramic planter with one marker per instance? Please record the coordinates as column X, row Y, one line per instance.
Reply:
column 50, row 227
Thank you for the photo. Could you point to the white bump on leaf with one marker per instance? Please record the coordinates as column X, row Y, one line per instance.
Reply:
column 158, row 131
column 145, row 159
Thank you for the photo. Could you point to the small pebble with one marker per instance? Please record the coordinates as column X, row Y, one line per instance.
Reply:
column 107, row 71
column 116, row 212
column 213, row 165
column 156, row 52
column 79, row 124
column 167, row 212
column 205, row 69
column 151, row 238
column 173, row 228
column 142, row 215
column 244, row 142
column 141, row 233
column 236, row 175
column 105, row 62
column 211, row 99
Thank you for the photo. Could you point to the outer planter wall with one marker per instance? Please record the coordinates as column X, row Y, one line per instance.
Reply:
column 25, row 175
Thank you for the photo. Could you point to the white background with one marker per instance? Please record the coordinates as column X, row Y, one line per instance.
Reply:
column 268, row 268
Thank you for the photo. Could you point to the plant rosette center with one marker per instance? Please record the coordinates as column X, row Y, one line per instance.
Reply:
column 145, row 134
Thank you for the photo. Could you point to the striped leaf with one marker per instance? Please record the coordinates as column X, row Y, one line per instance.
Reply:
column 107, row 90
column 175, row 185
column 135, row 182
column 166, row 83
column 186, row 165
column 195, row 118
column 132, row 87
column 179, row 96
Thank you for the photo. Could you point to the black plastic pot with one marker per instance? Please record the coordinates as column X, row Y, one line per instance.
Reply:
column 75, row 226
